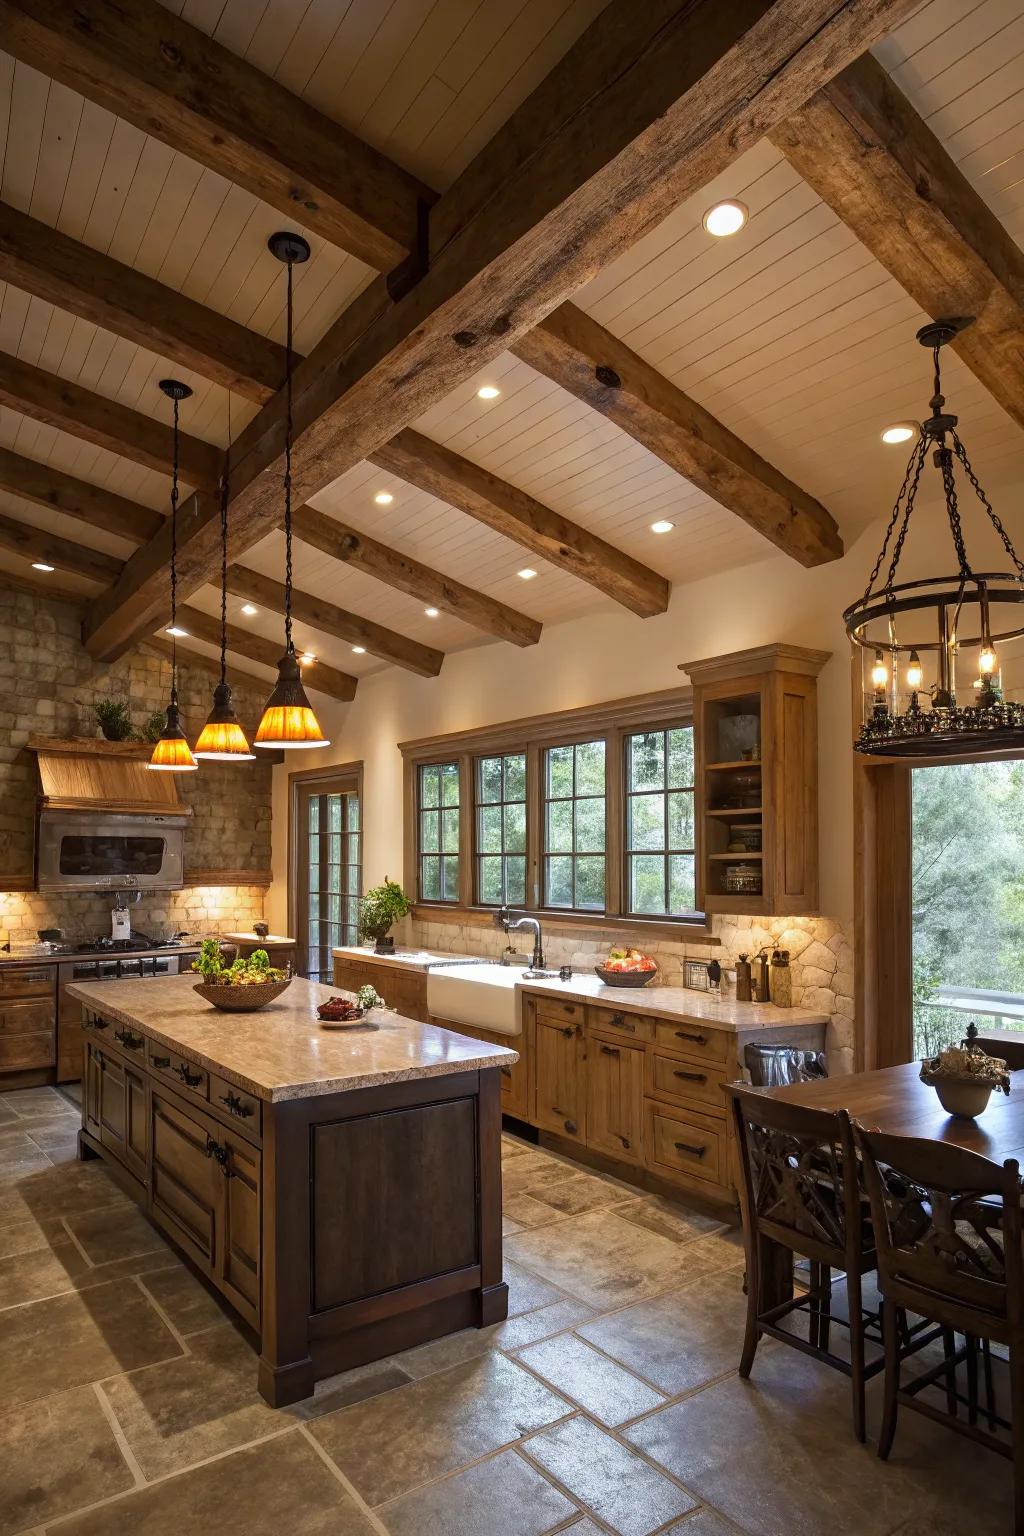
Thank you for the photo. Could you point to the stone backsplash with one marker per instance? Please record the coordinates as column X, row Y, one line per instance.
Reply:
column 49, row 684
column 196, row 910
column 820, row 950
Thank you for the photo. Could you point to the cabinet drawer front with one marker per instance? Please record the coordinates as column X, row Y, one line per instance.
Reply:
column 693, row 1040
column 619, row 1021
column 678, row 1078
column 26, row 1018
column 25, row 981
column 243, row 1107
column 128, row 1040
column 679, row 1142
column 556, row 1012
column 182, row 1073
column 20, row 1052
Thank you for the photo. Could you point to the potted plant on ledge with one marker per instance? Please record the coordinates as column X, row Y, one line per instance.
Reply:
column 381, row 908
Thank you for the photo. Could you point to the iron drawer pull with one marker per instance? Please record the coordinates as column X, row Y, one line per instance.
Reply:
column 569, row 1031
column 235, row 1105
column 610, row 1050
column 692, row 1077
column 697, row 1039
column 133, row 1042
column 160, row 1061
column 620, row 1022
column 192, row 1079
column 625, row 1141
column 220, row 1155
column 684, row 1146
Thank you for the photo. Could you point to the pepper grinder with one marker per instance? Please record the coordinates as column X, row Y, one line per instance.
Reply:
column 743, row 979
column 763, row 991
column 782, row 979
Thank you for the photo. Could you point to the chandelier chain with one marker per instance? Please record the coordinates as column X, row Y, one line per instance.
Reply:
column 174, row 559
column 224, row 487
column 288, row 472
column 953, row 510
column 994, row 518
column 902, row 535
column 915, row 462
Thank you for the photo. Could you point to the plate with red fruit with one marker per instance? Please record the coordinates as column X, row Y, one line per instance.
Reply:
column 627, row 968
column 341, row 1013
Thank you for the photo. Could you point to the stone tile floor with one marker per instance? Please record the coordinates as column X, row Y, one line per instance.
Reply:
column 608, row 1402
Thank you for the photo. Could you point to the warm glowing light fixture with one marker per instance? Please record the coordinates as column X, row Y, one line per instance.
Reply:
column 42, row 565
column 431, row 613
column 176, row 631
column 915, row 672
column 307, row 659
column 222, row 739
column 527, row 573
column 725, row 218
column 359, row 650
column 383, row 498
column 900, row 432
column 288, row 719
column 662, row 526
column 488, row 392
column 172, row 753
column 249, row 611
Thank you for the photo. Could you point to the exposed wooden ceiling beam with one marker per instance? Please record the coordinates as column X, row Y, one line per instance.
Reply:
column 579, row 354
column 238, row 677
column 870, row 156
column 329, row 619
column 649, row 104
column 64, row 554
column 69, row 408
column 408, row 575
column 44, row 262
column 510, row 511
column 148, row 66
column 49, row 487
column 325, row 678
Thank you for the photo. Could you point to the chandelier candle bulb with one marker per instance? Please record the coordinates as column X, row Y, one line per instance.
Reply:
column 915, row 672
column 879, row 672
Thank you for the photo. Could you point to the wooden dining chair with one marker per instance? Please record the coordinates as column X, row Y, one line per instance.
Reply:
column 800, row 1195
column 1005, row 1047
column 947, row 1226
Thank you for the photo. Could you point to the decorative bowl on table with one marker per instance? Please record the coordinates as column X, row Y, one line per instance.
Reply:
column 247, row 998
column 339, row 1011
column 627, row 968
column 963, row 1078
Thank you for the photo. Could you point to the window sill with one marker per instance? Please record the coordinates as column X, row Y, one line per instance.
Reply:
column 677, row 930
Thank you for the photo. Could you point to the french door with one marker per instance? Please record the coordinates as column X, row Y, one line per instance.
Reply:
column 326, row 865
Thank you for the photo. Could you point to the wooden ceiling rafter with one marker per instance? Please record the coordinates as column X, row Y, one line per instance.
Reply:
column 206, row 627
column 63, row 554
column 90, row 504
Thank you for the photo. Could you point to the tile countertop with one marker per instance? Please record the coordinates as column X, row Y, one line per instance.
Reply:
column 674, row 1003
column 404, row 959
column 283, row 1051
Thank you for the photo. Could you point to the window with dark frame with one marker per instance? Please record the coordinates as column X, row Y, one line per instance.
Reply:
column 500, row 807
column 659, row 823
column 574, row 826
column 438, row 831
column 333, row 878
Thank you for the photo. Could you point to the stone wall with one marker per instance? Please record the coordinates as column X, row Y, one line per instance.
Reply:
column 198, row 910
column 821, row 956
column 48, row 685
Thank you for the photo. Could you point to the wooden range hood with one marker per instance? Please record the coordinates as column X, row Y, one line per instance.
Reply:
column 91, row 774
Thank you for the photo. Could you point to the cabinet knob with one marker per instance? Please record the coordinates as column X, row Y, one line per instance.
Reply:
column 692, row 1077
column 685, row 1146
column 621, row 1022
column 220, row 1155
column 625, row 1142
column 569, row 1031
column 571, row 1127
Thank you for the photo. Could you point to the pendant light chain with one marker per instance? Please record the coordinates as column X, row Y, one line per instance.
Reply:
column 288, row 472
column 224, row 484
column 174, row 559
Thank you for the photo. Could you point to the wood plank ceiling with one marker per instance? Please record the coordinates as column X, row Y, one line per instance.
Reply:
column 792, row 334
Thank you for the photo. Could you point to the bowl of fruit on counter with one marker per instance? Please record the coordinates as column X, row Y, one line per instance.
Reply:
column 627, row 968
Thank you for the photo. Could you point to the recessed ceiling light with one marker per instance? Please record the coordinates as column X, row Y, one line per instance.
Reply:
column 900, row 432
column 725, row 218
column 307, row 659
column 662, row 526
column 526, row 574
column 431, row 613
column 41, row 565
column 359, row 650
column 383, row 498
column 488, row 392
column 249, row 610
column 177, row 631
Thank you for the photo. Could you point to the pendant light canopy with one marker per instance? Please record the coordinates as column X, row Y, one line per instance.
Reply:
column 172, row 753
column 222, row 739
column 288, row 718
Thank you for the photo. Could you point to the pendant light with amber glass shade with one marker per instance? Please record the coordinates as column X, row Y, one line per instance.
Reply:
column 288, row 719
column 172, row 753
column 222, row 739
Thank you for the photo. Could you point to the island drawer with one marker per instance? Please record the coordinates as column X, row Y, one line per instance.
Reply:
column 26, row 1016
column 19, row 1053
column 236, row 1102
column 684, row 1141
column 554, row 1011
column 25, row 981
column 692, row 1039
column 616, row 1021
column 672, row 1077
column 179, row 1071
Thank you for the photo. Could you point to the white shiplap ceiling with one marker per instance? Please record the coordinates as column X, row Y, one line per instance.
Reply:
column 790, row 332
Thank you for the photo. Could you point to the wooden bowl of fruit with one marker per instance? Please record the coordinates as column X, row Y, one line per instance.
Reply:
column 627, row 968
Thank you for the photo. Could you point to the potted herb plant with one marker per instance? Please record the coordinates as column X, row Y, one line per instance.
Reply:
column 381, row 908
column 114, row 717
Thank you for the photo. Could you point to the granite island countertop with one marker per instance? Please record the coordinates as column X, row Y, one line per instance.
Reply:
column 405, row 959
column 284, row 1051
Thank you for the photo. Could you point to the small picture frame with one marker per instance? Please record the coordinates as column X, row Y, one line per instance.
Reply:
column 695, row 975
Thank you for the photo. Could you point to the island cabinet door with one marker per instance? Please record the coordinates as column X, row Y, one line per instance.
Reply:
column 91, row 1091
column 136, row 1122
column 237, row 1217
column 186, row 1189
column 615, row 1098
column 112, row 1116
column 560, row 1080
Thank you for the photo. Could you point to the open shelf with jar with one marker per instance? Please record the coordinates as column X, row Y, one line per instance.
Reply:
column 755, row 715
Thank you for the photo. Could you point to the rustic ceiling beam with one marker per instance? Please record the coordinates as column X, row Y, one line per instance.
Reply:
column 44, row 262
column 329, row 619
column 90, row 504
column 498, row 505
column 870, row 156
column 238, row 677
column 69, row 408
column 650, row 103
column 204, row 626
column 146, row 65
column 408, row 575
column 577, row 353
column 63, row 554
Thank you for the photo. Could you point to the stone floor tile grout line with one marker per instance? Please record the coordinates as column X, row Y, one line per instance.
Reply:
column 551, row 1386
column 336, row 1472
column 164, row 1317
column 72, row 1289
column 74, row 1239
column 119, row 1435
column 633, row 1450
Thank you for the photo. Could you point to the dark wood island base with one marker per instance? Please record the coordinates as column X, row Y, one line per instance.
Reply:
column 341, row 1226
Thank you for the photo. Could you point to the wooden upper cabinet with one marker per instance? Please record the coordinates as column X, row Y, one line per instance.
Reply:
column 756, row 737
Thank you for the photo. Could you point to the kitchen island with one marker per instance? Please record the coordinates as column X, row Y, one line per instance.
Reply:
column 341, row 1188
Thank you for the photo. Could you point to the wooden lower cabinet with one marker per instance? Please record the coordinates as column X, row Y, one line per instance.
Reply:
column 560, row 1087
column 615, row 1098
